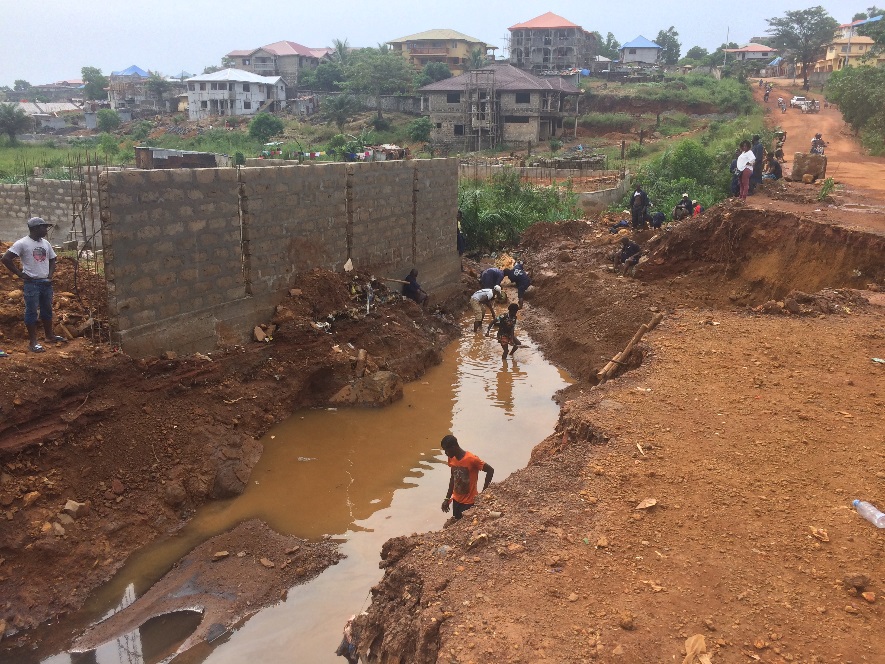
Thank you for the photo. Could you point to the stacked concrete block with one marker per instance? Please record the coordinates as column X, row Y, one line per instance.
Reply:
column 172, row 243
column 296, row 220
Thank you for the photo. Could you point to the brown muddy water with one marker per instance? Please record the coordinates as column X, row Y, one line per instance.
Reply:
column 358, row 476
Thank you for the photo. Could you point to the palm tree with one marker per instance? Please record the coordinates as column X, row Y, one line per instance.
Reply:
column 341, row 52
column 339, row 109
column 476, row 59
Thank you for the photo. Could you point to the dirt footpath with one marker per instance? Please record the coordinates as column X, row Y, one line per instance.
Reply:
column 706, row 492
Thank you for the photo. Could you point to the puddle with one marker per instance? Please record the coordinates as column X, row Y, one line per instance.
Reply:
column 360, row 476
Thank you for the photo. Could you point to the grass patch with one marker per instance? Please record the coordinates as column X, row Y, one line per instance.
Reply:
column 497, row 211
column 607, row 122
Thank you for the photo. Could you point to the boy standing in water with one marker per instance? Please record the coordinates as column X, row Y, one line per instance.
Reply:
column 506, row 330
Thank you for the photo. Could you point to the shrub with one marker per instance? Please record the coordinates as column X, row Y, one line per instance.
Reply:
column 265, row 126
column 107, row 119
column 607, row 122
column 419, row 130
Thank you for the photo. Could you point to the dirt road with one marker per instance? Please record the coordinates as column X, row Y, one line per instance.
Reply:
column 846, row 163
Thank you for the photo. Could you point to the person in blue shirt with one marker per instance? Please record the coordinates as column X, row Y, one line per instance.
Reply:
column 520, row 277
column 412, row 289
column 491, row 277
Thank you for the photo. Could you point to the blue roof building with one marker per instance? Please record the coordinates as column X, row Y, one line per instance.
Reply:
column 640, row 50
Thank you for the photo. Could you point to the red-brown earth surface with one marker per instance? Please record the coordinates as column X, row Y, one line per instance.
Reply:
column 751, row 415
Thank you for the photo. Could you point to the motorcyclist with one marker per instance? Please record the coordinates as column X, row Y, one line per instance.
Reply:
column 818, row 144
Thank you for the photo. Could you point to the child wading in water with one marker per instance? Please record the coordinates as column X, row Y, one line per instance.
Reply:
column 506, row 330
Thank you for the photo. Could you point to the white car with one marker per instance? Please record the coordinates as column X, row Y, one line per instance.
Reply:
column 796, row 102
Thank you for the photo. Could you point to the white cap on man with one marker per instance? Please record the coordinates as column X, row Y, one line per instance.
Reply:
column 497, row 289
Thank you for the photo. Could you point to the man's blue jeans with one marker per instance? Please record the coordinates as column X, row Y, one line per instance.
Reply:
column 38, row 295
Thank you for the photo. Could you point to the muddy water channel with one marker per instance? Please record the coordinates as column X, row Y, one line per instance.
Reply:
column 360, row 477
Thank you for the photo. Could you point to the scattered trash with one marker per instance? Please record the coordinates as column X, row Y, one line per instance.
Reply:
column 220, row 555
column 480, row 539
column 878, row 360
column 348, row 265
column 307, row 458
column 696, row 649
column 870, row 513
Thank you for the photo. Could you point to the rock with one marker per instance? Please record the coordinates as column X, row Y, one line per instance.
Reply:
column 708, row 623
column 376, row 389
column 220, row 555
column 174, row 493
column 258, row 334
column 626, row 621
column 292, row 549
column 573, row 597
column 75, row 509
column 58, row 529
column 771, row 307
column 814, row 165
column 869, row 596
column 515, row 548
column 170, row 355
column 117, row 487
column 31, row 498
column 270, row 330
column 856, row 581
column 480, row 540
column 850, row 609
column 602, row 542
column 267, row 563
column 808, row 178
column 646, row 504
column 65, row 519
column 2, row 629
column 792, row 306
column 294, row 292
column 283, row 315
column 619, row 650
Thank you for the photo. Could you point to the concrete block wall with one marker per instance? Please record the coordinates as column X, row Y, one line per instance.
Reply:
column 53, row 200
column 172, row 246
column 195, row 258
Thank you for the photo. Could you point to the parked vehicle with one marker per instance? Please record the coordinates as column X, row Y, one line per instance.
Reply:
column 796, row 102
column 810, row 106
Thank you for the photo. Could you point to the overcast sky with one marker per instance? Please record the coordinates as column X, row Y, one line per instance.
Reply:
column 51, row 40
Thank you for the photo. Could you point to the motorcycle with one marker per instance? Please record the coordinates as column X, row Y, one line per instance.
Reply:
column 817, row 146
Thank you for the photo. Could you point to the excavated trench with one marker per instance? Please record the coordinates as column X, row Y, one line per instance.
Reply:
column 355, row 477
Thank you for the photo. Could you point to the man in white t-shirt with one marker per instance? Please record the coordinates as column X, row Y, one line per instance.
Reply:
column 481, row 300
column 37, row 267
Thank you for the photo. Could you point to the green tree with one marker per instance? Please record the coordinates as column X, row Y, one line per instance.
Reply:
column 607, row 47
column 157, row 86
column 265, row 126
column 108, row 145
column 340, row 109
column 94, row 83
column 107, row 119
column 375, row 73
column 476, row 59
column 341, row 52
column 717, row 57
column 437, row 71
column 21, row 85
column 227, row 62
column 696, row 53
column 419, row 130
column 327, row 76
column 806, row 32
column 13, row 120
column 860, row 94
column 876, row 30
column 668, row 40
column 211, row 69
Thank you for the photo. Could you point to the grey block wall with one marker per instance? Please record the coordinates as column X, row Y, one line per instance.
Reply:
column 195, row 258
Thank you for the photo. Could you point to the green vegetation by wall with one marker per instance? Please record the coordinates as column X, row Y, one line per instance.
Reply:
column 860, row 94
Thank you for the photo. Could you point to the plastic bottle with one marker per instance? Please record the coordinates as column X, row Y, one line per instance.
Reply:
column 870, row 513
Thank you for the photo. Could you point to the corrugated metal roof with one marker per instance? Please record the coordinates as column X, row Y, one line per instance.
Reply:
column 437, row 35
column 130, row 71
column 277, row 48
column 640, row 42
column 47, row 108
column 752, row 47
column 548, row 20
column 234, row 75
column 507, row 77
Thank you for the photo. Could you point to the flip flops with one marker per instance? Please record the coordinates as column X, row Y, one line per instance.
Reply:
column 3, row 353
column 36, row 348
column 57, row 340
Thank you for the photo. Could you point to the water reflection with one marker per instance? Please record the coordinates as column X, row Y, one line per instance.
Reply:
column 362, row 476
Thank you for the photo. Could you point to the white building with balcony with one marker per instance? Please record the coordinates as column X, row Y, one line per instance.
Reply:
column 233, row 92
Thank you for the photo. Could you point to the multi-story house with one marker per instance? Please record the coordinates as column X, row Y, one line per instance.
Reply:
column 498, row 104
column 127, row 88
column 450, row 47
column 551, row 43
column 283, row 58
column 233, row 92
column 640, row 51
column 849, row 51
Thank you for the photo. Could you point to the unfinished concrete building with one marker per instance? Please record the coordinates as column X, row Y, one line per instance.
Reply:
column 498, row 104
column 550, row 43
column 283, row 58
